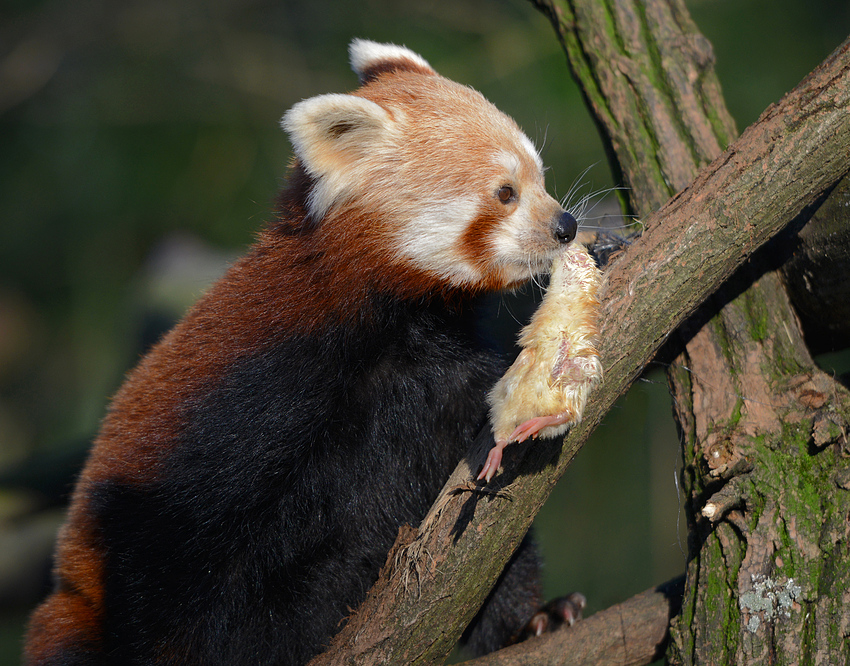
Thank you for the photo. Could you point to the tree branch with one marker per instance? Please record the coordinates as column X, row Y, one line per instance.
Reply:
column 436, row 579
column 633, row 632
column 745, row 370
column 647, row 76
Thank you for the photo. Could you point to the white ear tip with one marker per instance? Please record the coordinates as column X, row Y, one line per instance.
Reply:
column 365, row 54
column 334, row 137
column 306, row 108
column 334, row 108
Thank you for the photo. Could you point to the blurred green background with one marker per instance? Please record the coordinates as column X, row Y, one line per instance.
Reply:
column 140, row 152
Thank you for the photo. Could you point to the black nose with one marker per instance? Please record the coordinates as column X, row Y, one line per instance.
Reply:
column 566, row 228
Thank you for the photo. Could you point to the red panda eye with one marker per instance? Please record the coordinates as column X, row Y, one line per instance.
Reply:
column 506, row 194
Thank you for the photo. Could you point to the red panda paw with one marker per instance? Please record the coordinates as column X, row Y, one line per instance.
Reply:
column 560, row 612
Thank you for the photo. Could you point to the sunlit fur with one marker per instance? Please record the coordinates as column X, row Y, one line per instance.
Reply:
column 253, row 470
column 425, row 157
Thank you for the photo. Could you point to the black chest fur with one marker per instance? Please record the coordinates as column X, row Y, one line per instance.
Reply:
column 278, row 503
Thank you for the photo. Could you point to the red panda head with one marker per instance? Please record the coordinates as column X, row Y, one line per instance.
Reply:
column 440, row 181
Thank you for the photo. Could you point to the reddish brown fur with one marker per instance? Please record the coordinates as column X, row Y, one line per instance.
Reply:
column 130, row 450
column 475, row 245
column 301, row 275
column 402, row 64
column 327, row 275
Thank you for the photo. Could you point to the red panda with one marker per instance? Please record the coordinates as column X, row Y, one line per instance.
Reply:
column 252, row 472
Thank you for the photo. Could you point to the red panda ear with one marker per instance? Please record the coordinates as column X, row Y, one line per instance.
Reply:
column 370, row 59
column 334, row 135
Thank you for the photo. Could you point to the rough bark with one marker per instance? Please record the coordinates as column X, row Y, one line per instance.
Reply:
column 763, row 428
column 437, row 576
column 767, row 474
column 647, row 76
column 633, row 632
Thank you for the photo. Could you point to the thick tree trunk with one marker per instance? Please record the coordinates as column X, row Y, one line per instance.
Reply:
column 766, row 468
column 764, row 431
column 438, row 575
